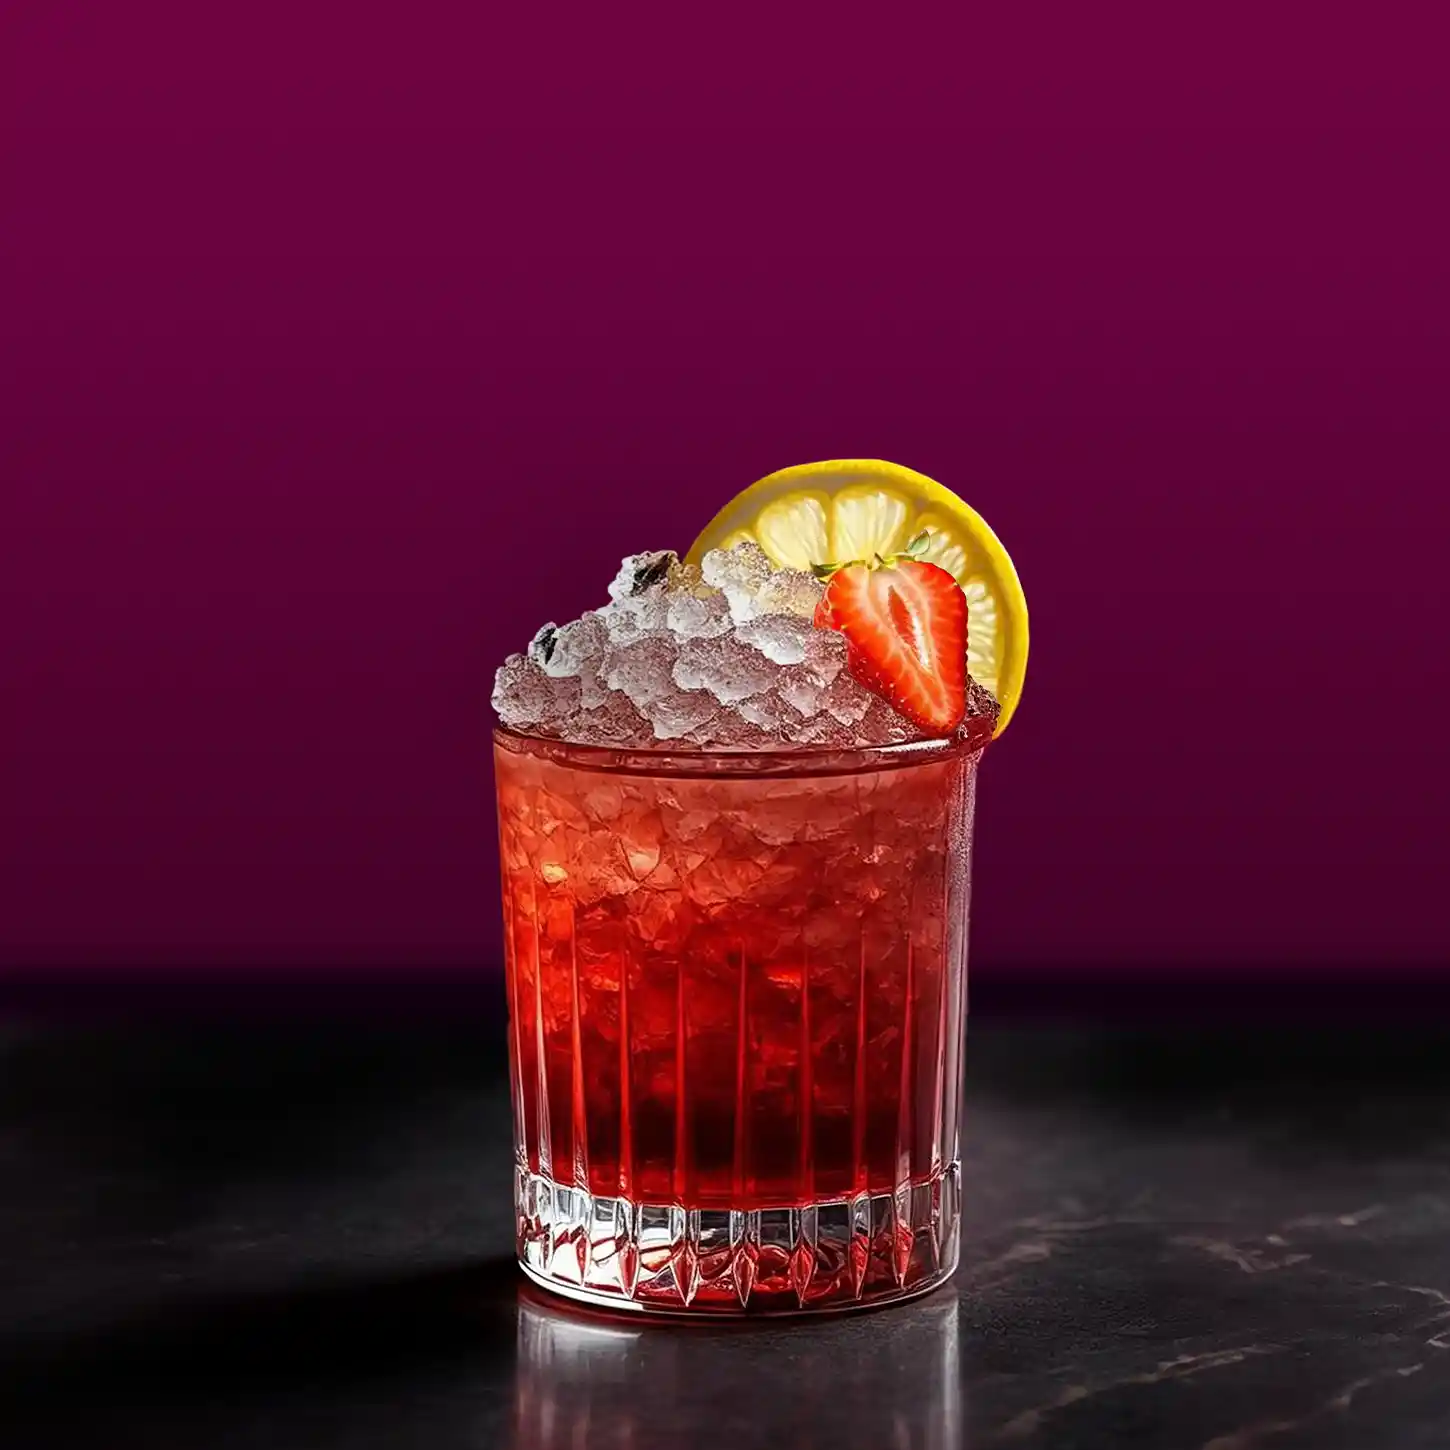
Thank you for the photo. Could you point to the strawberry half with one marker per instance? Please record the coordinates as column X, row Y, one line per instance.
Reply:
column 906, row 624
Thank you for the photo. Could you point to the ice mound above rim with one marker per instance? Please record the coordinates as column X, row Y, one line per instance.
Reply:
column 721, row 656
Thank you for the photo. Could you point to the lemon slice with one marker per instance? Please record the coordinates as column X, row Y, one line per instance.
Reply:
column 820, row 513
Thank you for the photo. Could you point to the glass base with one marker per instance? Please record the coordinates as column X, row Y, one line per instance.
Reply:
column 840, row 1253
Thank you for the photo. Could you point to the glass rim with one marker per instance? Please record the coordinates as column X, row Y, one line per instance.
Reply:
column 799, row 761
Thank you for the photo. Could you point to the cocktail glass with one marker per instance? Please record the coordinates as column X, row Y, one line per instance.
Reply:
column 736, row 986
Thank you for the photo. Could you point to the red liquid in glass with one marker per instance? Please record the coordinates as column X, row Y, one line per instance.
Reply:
column 737, row 991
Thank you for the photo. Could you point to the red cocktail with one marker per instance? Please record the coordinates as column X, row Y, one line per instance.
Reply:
column 736, row 993
column 735, row 809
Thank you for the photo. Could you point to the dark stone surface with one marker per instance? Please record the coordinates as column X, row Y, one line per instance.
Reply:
column 274, row 1236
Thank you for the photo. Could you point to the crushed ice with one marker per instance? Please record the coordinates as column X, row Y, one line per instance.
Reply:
column 723, row 655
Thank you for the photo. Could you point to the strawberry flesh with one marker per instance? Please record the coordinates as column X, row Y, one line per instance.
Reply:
column 905, row 623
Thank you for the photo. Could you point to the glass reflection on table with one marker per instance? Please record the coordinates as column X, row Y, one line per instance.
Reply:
column 890, row 1379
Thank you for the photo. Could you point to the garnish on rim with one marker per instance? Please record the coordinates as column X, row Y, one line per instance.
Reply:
column 855, row 508
column 905, row 622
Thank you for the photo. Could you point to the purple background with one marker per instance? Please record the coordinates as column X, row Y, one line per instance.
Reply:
column 336, row 356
